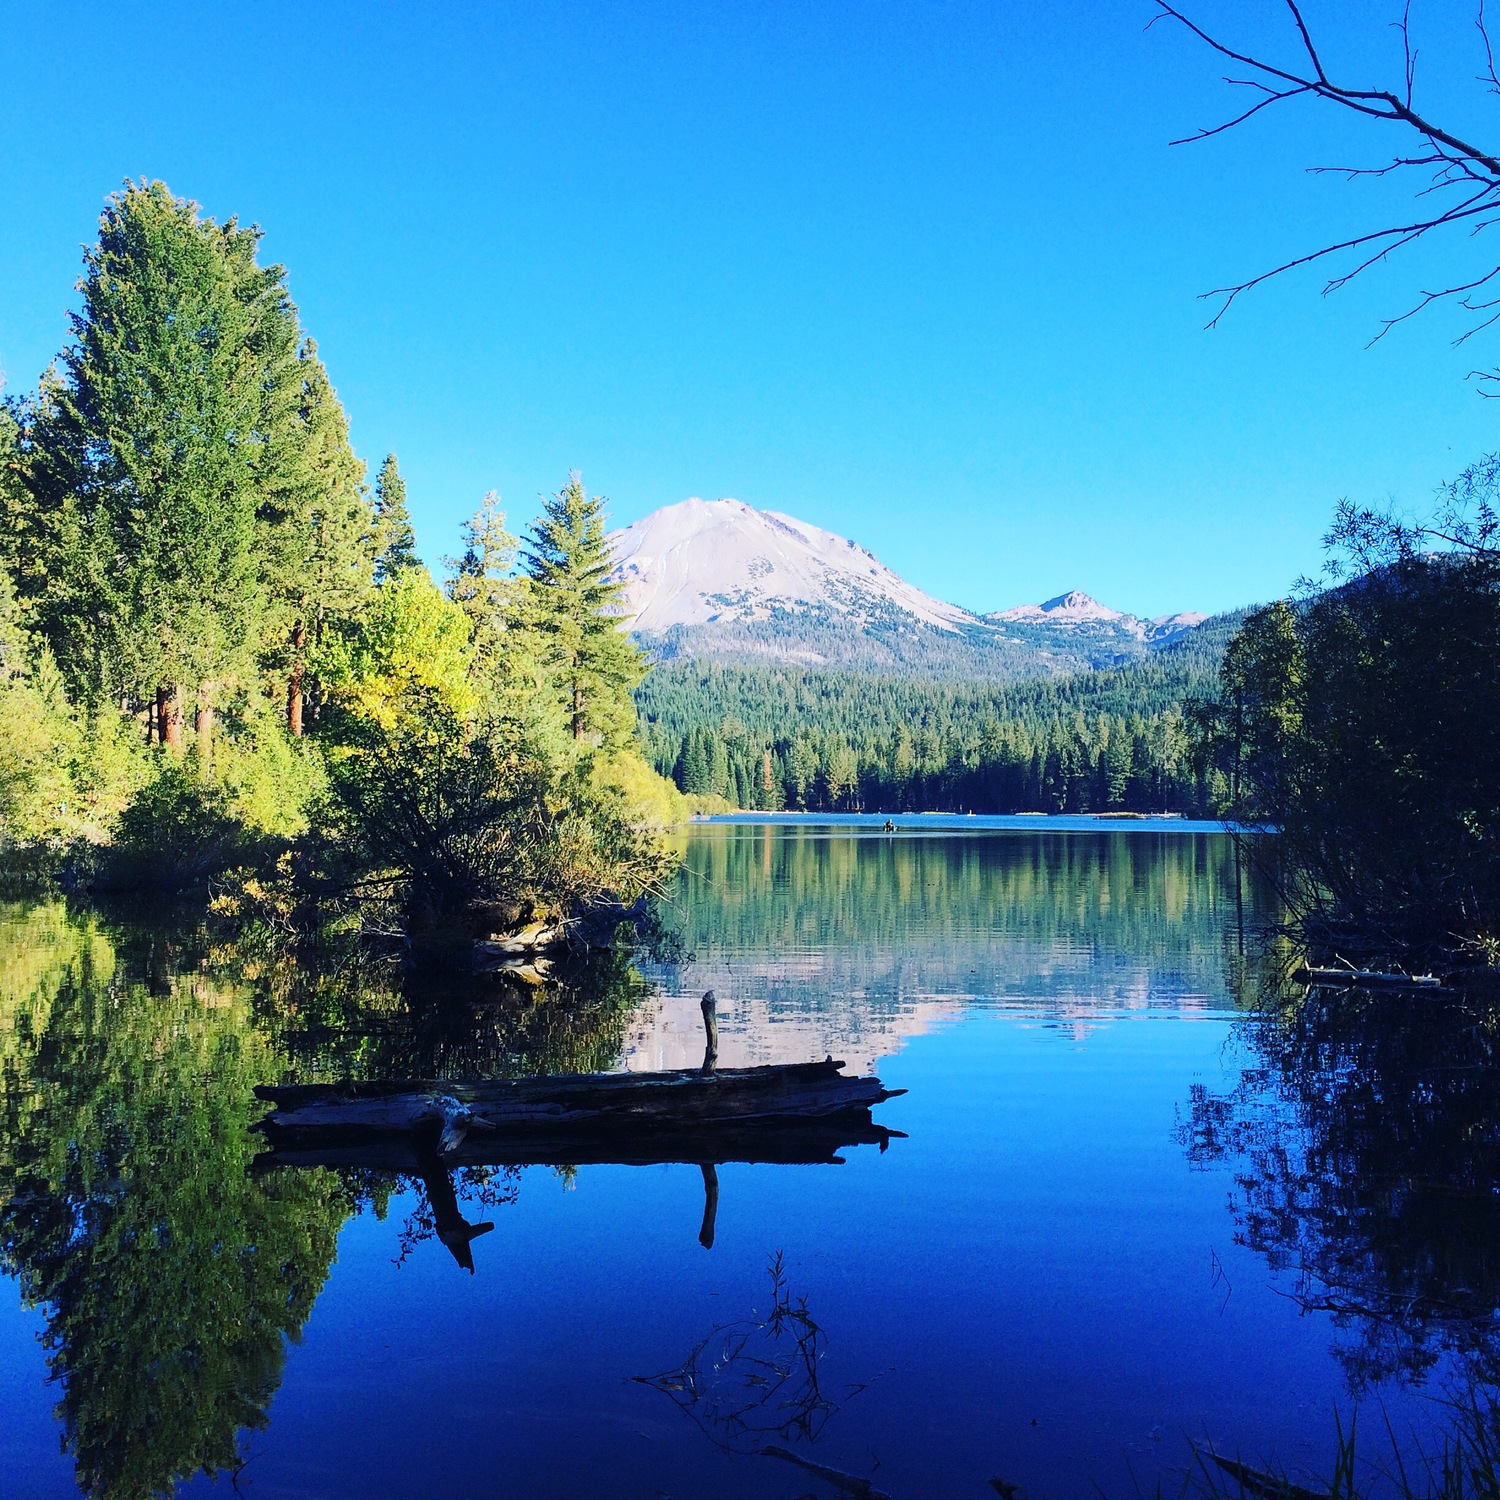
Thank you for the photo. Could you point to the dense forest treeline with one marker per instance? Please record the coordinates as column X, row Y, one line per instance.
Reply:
column 219, row 649
column 774, row 737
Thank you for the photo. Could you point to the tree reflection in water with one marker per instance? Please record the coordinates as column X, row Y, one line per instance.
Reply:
column 170, row 1272
column 170, row 1276
column 1365, row 1147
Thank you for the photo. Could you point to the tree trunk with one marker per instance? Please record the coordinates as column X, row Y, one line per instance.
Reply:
column 295, row 693
column 203, row 723
column 577, row 711
column 169, row 717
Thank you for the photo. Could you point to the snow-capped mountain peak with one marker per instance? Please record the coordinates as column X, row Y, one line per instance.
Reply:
column 703, row 562
column 1081, row 612
column 719, row 580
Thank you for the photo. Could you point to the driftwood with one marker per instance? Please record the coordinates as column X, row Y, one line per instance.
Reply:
column 1365, row 979
column 617, row 1110
column 796, row 1113
column 800, row 1115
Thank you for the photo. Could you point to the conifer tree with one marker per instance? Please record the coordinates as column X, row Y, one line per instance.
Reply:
column 319, row 555
column 396, row 541
column 512, row 681
column 150, row 454
column 479, row 582
column 575, row 613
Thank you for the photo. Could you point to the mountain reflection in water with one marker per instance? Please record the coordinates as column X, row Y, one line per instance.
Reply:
column 1036, row 1284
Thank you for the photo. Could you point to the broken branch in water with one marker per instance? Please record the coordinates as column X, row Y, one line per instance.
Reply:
column 847, row 1484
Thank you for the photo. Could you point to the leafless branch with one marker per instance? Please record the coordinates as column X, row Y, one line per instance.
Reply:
column 1489, row 53
column 1428, row 298
column 1453, row 164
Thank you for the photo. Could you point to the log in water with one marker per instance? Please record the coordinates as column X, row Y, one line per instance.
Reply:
column 636, row 1116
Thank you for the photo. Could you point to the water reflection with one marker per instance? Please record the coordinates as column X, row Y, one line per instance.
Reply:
column 375, row 1020
column 171, row 1276
column 1364, row 1143
column 1035, row 1250
column 136, row 1204
column 850, row 941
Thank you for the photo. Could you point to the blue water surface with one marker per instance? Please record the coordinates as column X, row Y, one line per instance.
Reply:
column 1039, row 1281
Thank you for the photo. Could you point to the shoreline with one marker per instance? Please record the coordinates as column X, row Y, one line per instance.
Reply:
column 932, row 822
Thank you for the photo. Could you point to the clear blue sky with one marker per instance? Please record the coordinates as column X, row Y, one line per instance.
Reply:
column 924, row 275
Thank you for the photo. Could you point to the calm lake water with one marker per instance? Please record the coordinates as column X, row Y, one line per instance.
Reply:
column 1132, row 1207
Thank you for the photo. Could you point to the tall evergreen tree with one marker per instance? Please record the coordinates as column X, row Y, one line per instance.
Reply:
column 320, row 535
column 150, row 450
column 576, row 609
column 395, row 540
column 512, row 681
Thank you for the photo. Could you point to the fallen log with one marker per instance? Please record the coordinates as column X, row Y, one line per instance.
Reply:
column 1361, row 979
column 804, row 1114
column 644, row 1111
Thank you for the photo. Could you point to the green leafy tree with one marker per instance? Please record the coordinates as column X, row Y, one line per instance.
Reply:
column 575, row 614
column 411, row 646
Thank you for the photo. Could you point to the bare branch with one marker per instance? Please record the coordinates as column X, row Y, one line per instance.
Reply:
column 1450, row 161
column 1400, row 234
column 1410, row 57
column 1489, row 53
column 1428, row 298
column 1255, row 109
column 1307, row 42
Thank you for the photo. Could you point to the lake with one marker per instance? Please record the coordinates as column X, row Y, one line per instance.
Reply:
column 1142, row 1196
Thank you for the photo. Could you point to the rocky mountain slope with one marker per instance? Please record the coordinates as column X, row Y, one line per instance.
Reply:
column 718, row 580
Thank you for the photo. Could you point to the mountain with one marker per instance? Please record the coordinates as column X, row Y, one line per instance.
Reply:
column 718, row 580
column 707, row 561
column 1076, row 611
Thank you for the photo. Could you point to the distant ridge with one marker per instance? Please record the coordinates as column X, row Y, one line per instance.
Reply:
column 1078, row 610
column 719, row 580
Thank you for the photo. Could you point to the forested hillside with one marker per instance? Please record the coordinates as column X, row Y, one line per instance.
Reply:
column 1095, row 741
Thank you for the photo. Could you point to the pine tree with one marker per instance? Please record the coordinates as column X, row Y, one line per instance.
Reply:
column 396, row 542
column 319, row 550
column 575, row 612
column 480, row 583
column 694, row 776
column 148, row 455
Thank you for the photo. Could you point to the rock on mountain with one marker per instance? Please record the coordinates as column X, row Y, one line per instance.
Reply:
column 718, row 580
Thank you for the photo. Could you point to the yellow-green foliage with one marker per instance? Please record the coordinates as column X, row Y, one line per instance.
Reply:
column 65, row 775
column 413, row 643
column 269, row 781
column 650, row 800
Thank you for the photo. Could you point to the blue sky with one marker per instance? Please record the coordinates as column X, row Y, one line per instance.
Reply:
column 923, row 275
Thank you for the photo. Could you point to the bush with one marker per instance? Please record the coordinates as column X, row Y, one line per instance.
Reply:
column 440, row 819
